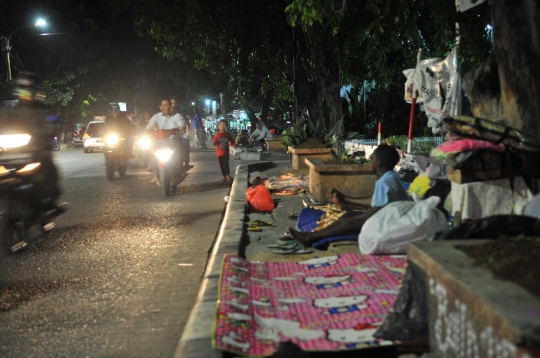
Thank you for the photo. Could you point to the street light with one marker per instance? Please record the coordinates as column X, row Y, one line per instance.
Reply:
column 7, row 43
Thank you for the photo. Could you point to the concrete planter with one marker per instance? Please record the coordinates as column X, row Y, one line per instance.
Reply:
column 298, row 156
column 274, row 143
column 472, row 314
column 350, row 179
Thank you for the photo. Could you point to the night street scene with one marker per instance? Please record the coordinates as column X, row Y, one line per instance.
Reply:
column 298, row 178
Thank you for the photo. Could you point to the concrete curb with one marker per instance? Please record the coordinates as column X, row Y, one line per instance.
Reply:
column 196, row 340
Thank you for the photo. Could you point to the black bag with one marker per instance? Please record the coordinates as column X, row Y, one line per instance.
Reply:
column 408, row 319
column 493, row 227
column 407, row 175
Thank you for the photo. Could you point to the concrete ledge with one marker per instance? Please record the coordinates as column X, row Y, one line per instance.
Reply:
column 488, row 314
column 196, row 338
column 252, row 155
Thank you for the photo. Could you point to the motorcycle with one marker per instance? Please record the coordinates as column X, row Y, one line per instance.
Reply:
column 168, row 161
column 55, row 144
column 116, row 155
column 144, row 149
column 26, row 212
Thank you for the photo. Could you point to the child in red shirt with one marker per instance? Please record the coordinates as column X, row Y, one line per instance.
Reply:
column 222, row 139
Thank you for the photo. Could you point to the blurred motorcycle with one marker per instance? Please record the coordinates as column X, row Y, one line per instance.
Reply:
column 166, row 153
column 116, row 155
column 55, row 144
column 27, row 209
column 144, row 149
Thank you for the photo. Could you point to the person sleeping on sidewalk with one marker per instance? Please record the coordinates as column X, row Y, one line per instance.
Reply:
column 388, row 188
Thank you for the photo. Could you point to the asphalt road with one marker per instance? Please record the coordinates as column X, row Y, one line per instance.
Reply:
column 119, row 274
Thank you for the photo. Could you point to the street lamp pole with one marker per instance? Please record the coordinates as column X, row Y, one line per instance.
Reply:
column 7, row 44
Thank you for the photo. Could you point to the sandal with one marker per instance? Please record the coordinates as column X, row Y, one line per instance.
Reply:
column 260, row 223
column 294, row 250
column 283, row 246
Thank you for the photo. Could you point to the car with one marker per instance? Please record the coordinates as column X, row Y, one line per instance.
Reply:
column 93, row 138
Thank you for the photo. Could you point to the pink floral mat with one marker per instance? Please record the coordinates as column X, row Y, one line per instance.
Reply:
column 323, row 304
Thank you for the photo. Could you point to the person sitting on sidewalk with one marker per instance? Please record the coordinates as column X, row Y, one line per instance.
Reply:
column 242, row 139
column 260, row 134
column 388, row 188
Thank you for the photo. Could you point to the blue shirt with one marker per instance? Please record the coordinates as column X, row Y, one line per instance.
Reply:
column 195, row 121
column 388, row 188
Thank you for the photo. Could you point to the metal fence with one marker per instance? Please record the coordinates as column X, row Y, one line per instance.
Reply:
column 435, row 140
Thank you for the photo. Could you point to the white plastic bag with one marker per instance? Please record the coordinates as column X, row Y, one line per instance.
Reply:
column 401, row 222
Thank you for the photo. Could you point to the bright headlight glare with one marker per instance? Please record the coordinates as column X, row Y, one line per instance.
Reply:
column 8, row 141
column 163, row 155
column 111, row 139
column 145, row 143
column 29, row 168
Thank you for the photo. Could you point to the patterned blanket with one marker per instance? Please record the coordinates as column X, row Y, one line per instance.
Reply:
column 322, row 304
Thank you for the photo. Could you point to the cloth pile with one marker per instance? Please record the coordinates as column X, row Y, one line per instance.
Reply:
column 287, row 184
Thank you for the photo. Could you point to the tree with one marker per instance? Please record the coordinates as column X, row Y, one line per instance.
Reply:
column 506, row 85
column 244, row 45
column 377, row 39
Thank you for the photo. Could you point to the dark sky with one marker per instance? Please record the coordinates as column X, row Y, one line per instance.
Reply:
column 15, row 14
column 21, row 13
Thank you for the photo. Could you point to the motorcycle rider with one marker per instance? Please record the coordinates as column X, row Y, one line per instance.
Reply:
column 166, row 120
column 117, row 121
column 30, row 116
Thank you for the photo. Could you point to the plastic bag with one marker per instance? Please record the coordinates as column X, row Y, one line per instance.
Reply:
column 390, row 229
column 408, row 319
column 260, row 199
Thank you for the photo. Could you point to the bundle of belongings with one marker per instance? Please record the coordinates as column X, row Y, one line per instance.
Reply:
column 483, row 169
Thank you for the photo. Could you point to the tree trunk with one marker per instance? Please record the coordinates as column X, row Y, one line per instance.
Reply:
column 517, row 56
column 314, row 104
column 331, row 95
column 252, row 118
column 266, row 105
column 224, row 110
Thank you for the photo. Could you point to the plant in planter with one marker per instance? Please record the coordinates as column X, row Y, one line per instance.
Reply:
column 305, row 133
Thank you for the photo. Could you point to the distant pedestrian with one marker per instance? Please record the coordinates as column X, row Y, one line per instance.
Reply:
column 222, row 139
column 184, row 154
column 196, row 124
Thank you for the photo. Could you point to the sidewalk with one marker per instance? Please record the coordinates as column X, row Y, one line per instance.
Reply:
column 234, row 239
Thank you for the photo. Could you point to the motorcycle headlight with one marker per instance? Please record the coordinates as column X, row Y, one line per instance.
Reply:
column 163, row 155
column 9, row 141
column 111, row 139
column 145, row 143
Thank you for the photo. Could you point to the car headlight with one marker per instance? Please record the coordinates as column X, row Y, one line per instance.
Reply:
column 9, row 141
column 111, row 139
column 145, row 143
column 163, row 155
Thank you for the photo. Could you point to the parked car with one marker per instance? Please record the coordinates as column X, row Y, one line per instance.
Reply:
column 93, row 138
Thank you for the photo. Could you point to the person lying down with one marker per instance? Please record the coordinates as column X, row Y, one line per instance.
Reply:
column 388, row 188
